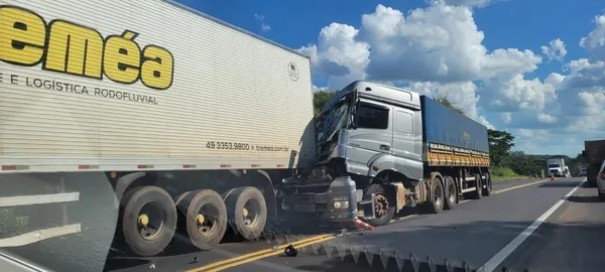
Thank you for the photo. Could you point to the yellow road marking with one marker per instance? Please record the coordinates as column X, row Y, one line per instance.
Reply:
column 266, row 255
column 251, row 257
column 256, row 253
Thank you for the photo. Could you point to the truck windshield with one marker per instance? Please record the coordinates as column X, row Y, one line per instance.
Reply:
column 332, row 120
column 553, row 166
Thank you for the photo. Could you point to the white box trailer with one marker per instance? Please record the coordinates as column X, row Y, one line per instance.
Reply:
column 157, row 102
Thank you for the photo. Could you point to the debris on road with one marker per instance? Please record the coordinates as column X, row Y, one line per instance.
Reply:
column 290, row 251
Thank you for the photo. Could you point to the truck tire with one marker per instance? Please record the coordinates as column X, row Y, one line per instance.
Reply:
column 204, row 218
column 148, row 220
column 478, row 187
column 451, row 195
column 436, row 197
column 247, row 211
column 488, row 185
column 601, row 196
column 384, row 209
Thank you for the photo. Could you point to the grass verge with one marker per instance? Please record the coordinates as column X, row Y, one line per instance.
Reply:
column 504, row 173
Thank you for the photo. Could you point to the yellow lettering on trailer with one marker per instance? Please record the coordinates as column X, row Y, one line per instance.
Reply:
column 74, row 49
column 158, row 67
column 122, row 58
column 80, row 50
column 22, row 35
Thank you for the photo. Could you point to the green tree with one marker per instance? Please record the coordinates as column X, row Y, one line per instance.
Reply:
column 319, row 100
column 446, row 102
column 500, row 143
column 524, row 164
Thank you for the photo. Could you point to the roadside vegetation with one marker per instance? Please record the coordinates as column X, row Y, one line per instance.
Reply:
column 506, row 164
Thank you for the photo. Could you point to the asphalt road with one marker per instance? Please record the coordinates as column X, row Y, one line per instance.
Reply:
column 501, row 230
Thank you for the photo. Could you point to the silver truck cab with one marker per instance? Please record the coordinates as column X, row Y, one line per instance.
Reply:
column 365, row 131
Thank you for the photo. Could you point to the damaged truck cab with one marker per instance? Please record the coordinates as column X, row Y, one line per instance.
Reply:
column 381, row 149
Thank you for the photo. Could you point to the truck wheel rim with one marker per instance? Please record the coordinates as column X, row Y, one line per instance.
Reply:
column 250, row 213
column 206, row 220
column 150, row 221
column 381, row 205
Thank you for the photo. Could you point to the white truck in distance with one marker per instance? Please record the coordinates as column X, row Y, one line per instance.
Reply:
column 556, row 167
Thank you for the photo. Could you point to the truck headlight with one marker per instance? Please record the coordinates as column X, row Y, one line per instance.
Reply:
column 341, row 204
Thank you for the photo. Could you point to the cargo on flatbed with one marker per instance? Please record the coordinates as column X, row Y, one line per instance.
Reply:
column 452, row 138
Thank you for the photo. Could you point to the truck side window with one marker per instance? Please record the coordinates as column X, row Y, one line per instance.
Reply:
column 404, row 122
column 372, row 116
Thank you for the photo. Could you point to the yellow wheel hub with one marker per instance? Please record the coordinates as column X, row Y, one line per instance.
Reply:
column 200, row 219
column 143, row 219
column 245, row 212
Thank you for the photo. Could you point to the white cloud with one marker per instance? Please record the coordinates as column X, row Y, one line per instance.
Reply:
column 555, row 50
column 546, row 118
column 320, row 89
column 439, row 43
column 439, row 51
column 462, row 95
column 468, row 3
column 338, row 55
column 595, row 41
column 509, row 94
column 585, row 74
column 263, row 25
column 486, row 123
column 509, row 62
column 538, row 134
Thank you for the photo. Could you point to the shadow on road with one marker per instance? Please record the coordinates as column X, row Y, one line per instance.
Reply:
column 559, row 184
column 585, row 199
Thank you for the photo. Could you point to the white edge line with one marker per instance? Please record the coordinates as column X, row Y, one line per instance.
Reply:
column 39, row 235
column 12, row 201
column 510, row 248
column 519, row 186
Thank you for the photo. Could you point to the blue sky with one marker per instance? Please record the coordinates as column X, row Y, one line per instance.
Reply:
column 506, row 81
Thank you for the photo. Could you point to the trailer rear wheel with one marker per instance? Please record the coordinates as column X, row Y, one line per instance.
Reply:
column 247, row 211
column 383, row 208
column 476, row 194
column 488, row 185
column 205, row 216
column 436, row 196
column 148, row 220
column 451, row 194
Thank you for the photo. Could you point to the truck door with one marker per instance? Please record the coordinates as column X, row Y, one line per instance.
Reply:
column 372, row 136
column 407, row 142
